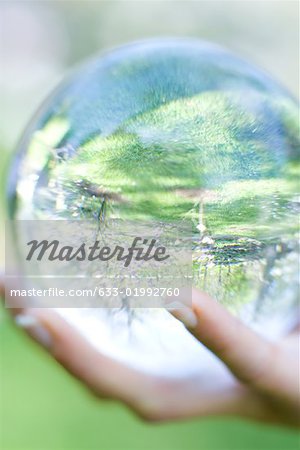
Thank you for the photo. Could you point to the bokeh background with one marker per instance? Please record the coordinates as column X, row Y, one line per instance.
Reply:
column 41, row 407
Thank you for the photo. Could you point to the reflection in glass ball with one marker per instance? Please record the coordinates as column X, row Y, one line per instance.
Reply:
column 174, row 131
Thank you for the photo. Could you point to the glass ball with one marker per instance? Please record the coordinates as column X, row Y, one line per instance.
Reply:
column 174, row 131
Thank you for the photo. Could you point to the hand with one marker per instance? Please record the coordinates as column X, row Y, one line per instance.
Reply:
column 262, row 383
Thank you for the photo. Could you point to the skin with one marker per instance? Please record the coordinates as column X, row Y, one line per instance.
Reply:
column 262, row 382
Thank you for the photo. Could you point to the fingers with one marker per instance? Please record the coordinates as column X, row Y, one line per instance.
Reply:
column 152, row 398
column 271, row 369
column 245, row 353
column 103, row 375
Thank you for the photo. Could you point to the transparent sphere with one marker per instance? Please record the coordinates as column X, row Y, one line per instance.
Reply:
column 174, row 131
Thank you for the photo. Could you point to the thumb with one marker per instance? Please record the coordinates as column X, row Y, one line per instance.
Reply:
column 245, row 353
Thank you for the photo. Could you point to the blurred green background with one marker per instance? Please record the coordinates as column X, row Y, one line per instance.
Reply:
column 42, row 408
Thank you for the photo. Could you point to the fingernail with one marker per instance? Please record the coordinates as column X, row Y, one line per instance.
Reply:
column 36, row 330
column 186, row 316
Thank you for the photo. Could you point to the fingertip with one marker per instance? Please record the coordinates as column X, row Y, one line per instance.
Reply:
column 187, row 316
column 190, row 315
column 35, row 328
